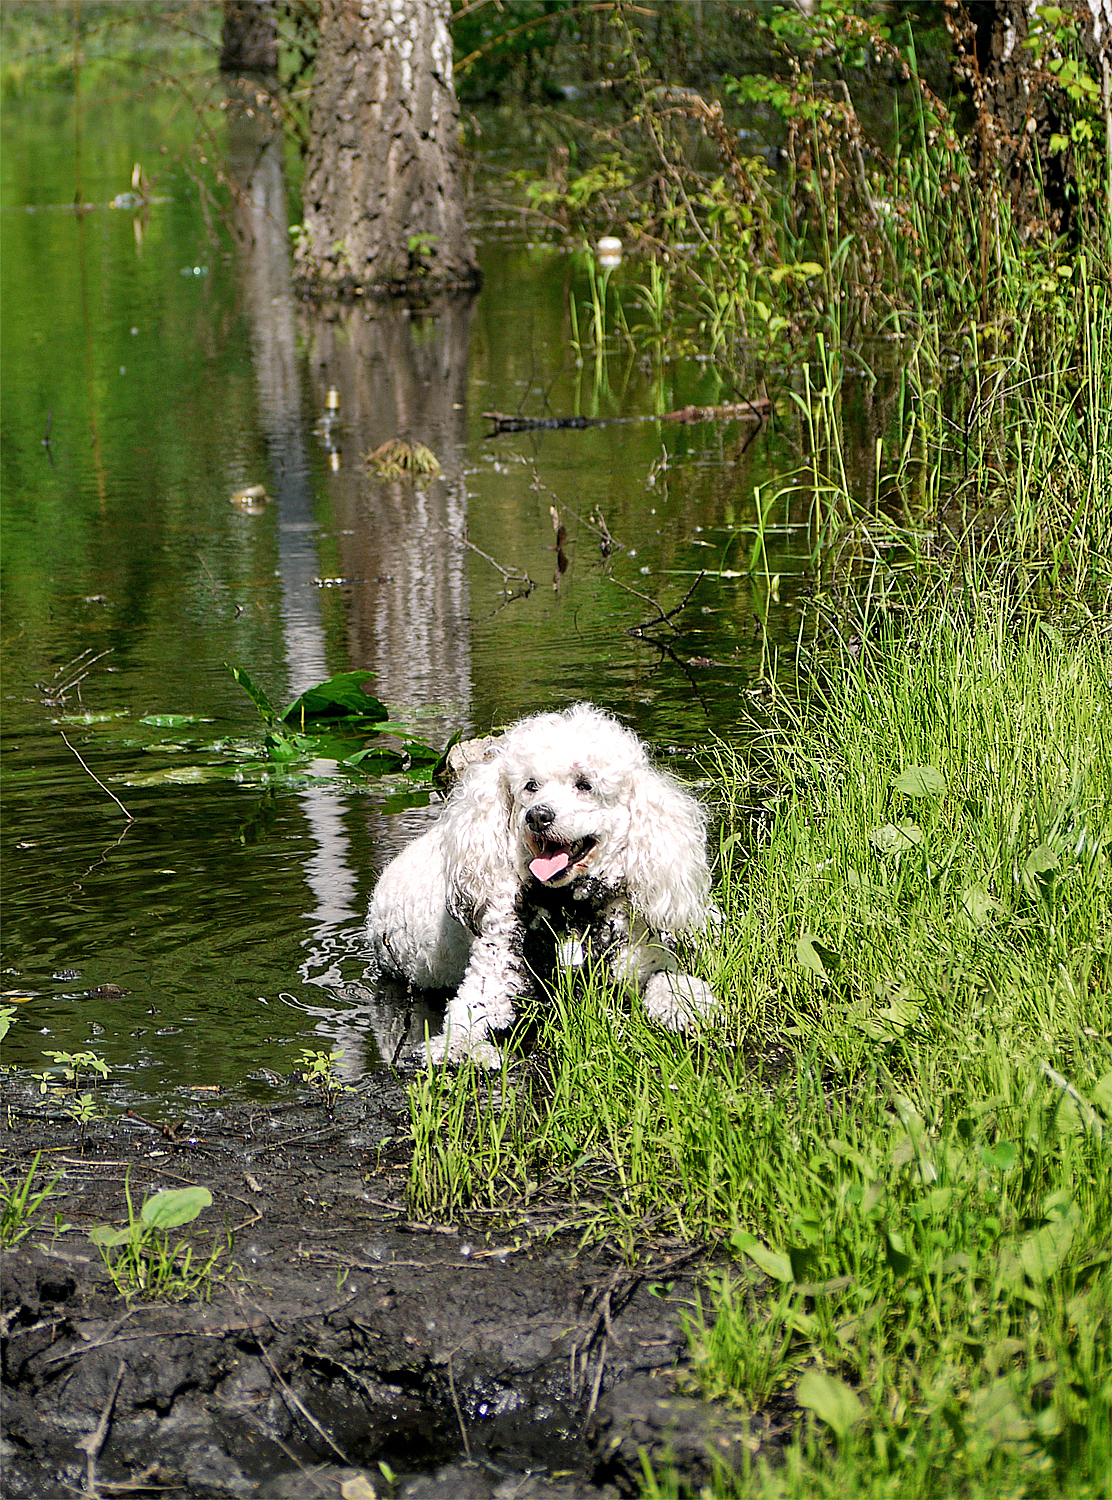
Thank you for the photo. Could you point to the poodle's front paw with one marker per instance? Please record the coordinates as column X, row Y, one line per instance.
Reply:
column 459, row 1047
column 677, row 1001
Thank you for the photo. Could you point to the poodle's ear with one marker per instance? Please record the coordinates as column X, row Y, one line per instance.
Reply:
column 666, row 854
column 477, row 841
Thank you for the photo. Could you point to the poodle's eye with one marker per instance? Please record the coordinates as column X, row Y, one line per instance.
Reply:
column 582, row 784
column 532, row 786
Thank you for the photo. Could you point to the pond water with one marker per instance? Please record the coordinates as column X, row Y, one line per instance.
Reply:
column 155, row 363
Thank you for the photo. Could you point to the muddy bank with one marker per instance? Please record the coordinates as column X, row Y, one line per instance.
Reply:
column 490, row 1359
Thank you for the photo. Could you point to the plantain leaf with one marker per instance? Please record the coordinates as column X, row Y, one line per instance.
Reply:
column 831, row 1400
column 342, row 696
column 920, row 781
column 175, row 1206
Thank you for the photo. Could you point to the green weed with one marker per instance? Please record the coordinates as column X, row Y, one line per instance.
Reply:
column 900, row 1126
column 140, row 1257
column 318, row 1069
column 18, row 1206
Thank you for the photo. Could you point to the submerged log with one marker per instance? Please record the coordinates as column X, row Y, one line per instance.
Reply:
column 757, row 410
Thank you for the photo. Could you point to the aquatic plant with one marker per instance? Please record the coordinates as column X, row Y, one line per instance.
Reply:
column 330, row 718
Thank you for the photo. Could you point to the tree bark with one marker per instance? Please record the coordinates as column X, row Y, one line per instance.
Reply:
column 1018, row 104
column 249, row 40
column 382, row 199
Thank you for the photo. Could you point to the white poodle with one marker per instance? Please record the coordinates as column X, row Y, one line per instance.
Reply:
column 562, row 843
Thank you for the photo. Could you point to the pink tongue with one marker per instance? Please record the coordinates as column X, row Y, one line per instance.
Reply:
column 547, row 865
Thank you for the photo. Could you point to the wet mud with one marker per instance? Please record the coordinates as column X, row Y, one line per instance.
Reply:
column 495, row 1358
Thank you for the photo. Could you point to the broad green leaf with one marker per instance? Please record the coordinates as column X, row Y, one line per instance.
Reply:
column 104, row 1235
column 175, row 1206
column 287, row 746
column 816, row 957
column 938, row 1200
column 1000, row 1158
column 1044, row 1250
column 341, row 696
column 90, row 718
column 896, row 1253
column 174, row 776
column 995, row 1415
column 253, row 691
column 1040, row 863
column 773, row 1263
column 895, row 838
column 978, row 905
column 378, row 759
column 831, row 1400
column 920, row 781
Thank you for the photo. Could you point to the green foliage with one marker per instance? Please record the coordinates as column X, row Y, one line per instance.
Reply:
column 18, row 1206
column 83, row 1109
column 917, row 1193
column 140, row 1257
column 341, row 696
column 334, row 719
column 318, row 1069
column 73, row 1064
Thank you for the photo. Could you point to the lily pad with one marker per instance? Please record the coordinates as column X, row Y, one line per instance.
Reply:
column 175, row 776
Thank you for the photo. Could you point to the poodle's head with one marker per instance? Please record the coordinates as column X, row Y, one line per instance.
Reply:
column 569, row 796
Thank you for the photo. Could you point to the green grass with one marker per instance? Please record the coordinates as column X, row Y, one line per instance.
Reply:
column 915, row 886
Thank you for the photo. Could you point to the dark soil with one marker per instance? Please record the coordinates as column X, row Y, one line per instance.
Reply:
column 492, row 1359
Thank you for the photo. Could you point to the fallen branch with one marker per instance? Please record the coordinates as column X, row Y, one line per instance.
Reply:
column 130, row 818
column 94, row 1441
column 757, row 410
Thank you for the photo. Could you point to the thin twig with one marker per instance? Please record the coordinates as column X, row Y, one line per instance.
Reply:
column 129, row 816
column 290, row 1398
column 455, row 1403
column 94, row 1441
column 662, row 618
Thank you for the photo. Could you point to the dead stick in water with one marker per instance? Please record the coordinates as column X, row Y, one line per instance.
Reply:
column 129, row 816
column 756, row 410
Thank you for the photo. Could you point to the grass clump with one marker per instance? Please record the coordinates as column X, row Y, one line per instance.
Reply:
column 914, row 1181
column 19, row 1204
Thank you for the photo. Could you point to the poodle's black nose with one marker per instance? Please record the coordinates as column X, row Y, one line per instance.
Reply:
column 540, row 817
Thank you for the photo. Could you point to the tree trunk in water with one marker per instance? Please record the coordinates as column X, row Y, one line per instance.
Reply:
column 249, row 41
column 382, row 199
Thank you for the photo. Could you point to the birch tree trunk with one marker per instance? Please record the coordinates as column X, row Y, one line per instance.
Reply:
column 383, row 207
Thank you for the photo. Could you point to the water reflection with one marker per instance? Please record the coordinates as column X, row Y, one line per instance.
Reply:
column 401, row 372
column 378, row 371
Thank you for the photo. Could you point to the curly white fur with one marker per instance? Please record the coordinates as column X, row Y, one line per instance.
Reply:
column 563, row 830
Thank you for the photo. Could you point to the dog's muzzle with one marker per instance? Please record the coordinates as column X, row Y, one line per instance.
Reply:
column 555, row 858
